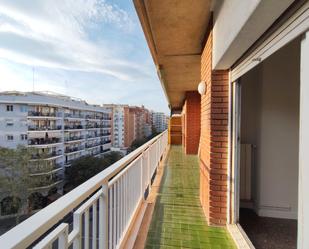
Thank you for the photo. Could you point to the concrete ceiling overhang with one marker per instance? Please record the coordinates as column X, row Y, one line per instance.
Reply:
column 175, row 31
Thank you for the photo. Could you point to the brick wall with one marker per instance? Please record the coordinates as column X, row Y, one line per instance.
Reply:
column 214, row 139
column 191, row 115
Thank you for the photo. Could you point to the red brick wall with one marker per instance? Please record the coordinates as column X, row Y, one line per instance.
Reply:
column 191, row 122
column 214, row 139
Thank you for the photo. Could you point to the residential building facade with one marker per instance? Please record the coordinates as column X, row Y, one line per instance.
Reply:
column 128, row 124
column 159, row 121
column 58, row 128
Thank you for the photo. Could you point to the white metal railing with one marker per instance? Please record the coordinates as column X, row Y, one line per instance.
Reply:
column 103, row 207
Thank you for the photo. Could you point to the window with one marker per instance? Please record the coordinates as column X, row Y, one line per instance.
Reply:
column 9, row 122
column 23, row 137
column 24, row 108
column 9, row 108
column 9, row 137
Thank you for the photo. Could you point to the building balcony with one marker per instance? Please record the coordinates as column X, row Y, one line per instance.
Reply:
column 74, row 150
column 35, row 114
column 73, row 116
column 73, row 127
column 74, row 139
column 45, row 185
column 44, row 128
column 92, row 145
column 37, row 142
column 47, row 156
column 39, row 170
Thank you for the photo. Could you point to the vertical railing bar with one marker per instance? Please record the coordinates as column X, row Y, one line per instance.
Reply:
column 94, row 225
column 118, row 211
column 103, row 217
column 110, row 235
column 86, row 237
column 114, row 217
column 77, row 225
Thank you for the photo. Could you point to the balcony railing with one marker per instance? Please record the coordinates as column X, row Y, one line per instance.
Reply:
column 75, row 149
column 73, row 127
column 44, row 141
column 46, row 155
column 44, row 114
column 76, row 138
column 115, row 196
column 39, row 170
column 70, row 115
column 44, row 128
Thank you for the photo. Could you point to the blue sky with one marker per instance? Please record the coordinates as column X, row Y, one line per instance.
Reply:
column 90, row 49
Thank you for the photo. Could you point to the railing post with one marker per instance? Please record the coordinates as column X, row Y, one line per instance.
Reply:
column 149, row 173
column 77, row 225
column 103, row 217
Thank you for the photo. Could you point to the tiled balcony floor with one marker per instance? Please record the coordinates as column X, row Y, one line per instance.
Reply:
column 178, row 220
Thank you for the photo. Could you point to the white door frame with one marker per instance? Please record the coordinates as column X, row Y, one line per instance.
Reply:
column 235, row 118
column 303, row 179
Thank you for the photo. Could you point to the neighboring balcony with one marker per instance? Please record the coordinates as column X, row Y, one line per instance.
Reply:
column 45, row 115
column 47, row 156
column 74, row 150
column 74, row 139
column 73, row 116
column 38, row 170
column 74, row 127
column 100, row 212
column 45, row 185
column 44, row 128
column 44, row 142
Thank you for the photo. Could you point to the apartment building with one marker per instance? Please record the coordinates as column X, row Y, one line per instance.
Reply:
column 159, row 121
column 129, row 123
column 60, row 129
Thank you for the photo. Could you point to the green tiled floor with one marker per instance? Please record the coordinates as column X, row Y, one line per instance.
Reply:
column 178, row 220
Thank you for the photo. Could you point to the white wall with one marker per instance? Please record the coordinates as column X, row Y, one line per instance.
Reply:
column 270, row 120
column 238, row 24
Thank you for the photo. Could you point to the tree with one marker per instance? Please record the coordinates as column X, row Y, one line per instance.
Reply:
column 139, row 142
column 16, row 182
column 86, row 167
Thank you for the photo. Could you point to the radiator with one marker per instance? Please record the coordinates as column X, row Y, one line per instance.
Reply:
column 246, row 155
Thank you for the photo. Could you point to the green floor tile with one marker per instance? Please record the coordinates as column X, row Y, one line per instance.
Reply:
column 178, row 220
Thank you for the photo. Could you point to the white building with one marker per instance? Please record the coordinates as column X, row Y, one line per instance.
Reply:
column 58, row 128
column 159, row 121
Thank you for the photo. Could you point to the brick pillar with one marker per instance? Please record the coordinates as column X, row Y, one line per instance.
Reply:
column 214, row 139
column 191, row 122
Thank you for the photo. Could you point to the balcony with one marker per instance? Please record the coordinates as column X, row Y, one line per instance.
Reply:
column 103, row 207
column 73, row 150
column 56, row 180
column 73, row 127
column 37, row 170
column 36, row 114
column 73, row 116
column 74, row 139
column 45, row 128
column 46, row 156
column 39, row 142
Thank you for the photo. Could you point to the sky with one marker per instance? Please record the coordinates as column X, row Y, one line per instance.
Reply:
column 89, row 49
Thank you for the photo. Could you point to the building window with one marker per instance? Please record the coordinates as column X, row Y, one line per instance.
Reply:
column 23, row 137
column 9, row 137
column 24, row 108
column 9, row 122
column 9, row 108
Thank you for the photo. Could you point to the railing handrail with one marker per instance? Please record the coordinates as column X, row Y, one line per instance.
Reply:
column 24, row 234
